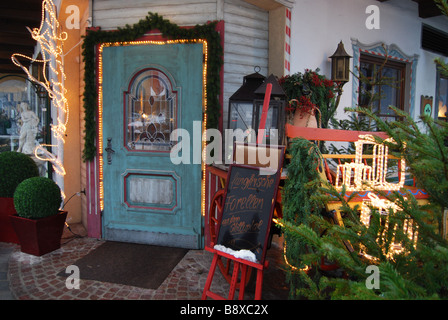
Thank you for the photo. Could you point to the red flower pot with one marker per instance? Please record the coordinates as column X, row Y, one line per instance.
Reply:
column 7, row 209
column 39, row 236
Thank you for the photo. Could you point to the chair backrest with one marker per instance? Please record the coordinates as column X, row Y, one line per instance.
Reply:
column 259, row 155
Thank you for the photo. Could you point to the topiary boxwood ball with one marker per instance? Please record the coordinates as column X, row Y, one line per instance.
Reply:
column 37, row 197
column 14, row 168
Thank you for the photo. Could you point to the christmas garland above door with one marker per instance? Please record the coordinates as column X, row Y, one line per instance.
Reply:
column 131, row 33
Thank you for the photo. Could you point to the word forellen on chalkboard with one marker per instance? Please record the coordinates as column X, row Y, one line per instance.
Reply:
column 247, row 211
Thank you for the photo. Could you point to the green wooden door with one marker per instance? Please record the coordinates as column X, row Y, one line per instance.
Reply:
column 149, row 91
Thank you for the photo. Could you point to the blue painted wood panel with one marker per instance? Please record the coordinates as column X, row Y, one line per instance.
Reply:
column 167, row 210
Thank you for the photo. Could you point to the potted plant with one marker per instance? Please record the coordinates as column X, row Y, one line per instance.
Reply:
column 309, row 94
column 38, row 223
column 304, row 112
column 14, row 168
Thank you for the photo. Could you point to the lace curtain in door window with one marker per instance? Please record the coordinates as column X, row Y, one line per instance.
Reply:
column 151, row 105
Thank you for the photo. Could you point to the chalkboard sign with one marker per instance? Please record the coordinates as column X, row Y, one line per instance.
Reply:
column 247, row 212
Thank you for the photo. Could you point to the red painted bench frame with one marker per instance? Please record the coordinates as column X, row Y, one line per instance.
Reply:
column 321, row 134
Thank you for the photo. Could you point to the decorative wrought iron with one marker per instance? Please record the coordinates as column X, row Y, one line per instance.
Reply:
column 109, row 150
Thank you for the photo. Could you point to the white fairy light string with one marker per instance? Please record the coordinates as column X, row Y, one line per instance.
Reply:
column 50, row 38
column 385, row 207
column 357, row 176
column 42, row 153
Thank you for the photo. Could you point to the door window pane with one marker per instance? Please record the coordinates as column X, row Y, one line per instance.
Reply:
column 151, row 112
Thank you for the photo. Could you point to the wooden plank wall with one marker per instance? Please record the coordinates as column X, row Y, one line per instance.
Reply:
column 246, row 45
column 110, row 14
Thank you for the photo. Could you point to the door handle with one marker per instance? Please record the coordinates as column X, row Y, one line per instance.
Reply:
column 109, row 150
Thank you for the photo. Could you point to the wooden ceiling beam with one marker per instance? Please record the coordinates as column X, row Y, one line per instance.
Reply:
column 15, row 16
column 7, row 63
column 5, row 68
column 25, row 49
column 4, row 54
column 16, row 27
column 34, row 5
column 22, row 15
column 12, row 39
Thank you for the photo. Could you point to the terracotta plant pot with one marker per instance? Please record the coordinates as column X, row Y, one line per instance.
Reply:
column 39, row 236
column 7, row 209
column 304, row 119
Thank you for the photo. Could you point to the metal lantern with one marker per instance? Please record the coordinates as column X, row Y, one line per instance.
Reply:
column 246, row 105
column 340, row 65
column 276, row 113
column 241, row 103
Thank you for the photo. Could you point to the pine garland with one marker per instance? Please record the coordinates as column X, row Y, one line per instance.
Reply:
column 130, row 33
column 299, row 204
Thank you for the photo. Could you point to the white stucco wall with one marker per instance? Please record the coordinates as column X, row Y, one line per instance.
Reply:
column 318, row 25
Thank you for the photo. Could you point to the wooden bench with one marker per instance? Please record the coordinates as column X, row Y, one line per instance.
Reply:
column 335, row 135
column 320, row 134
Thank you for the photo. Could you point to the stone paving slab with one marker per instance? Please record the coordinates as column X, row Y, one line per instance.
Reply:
column 5, row 251
column 35, row 278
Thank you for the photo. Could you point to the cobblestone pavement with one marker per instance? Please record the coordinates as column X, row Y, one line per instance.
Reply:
column 5, row 252
column 35, row 278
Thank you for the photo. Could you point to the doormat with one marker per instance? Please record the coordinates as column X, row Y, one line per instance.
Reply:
column 138, row 265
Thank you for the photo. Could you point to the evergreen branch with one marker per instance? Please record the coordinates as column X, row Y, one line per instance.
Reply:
column 439, row 142
column 443, row 6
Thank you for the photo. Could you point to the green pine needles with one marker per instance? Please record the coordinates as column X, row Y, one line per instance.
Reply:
column 298, row 202
column 417, row 272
